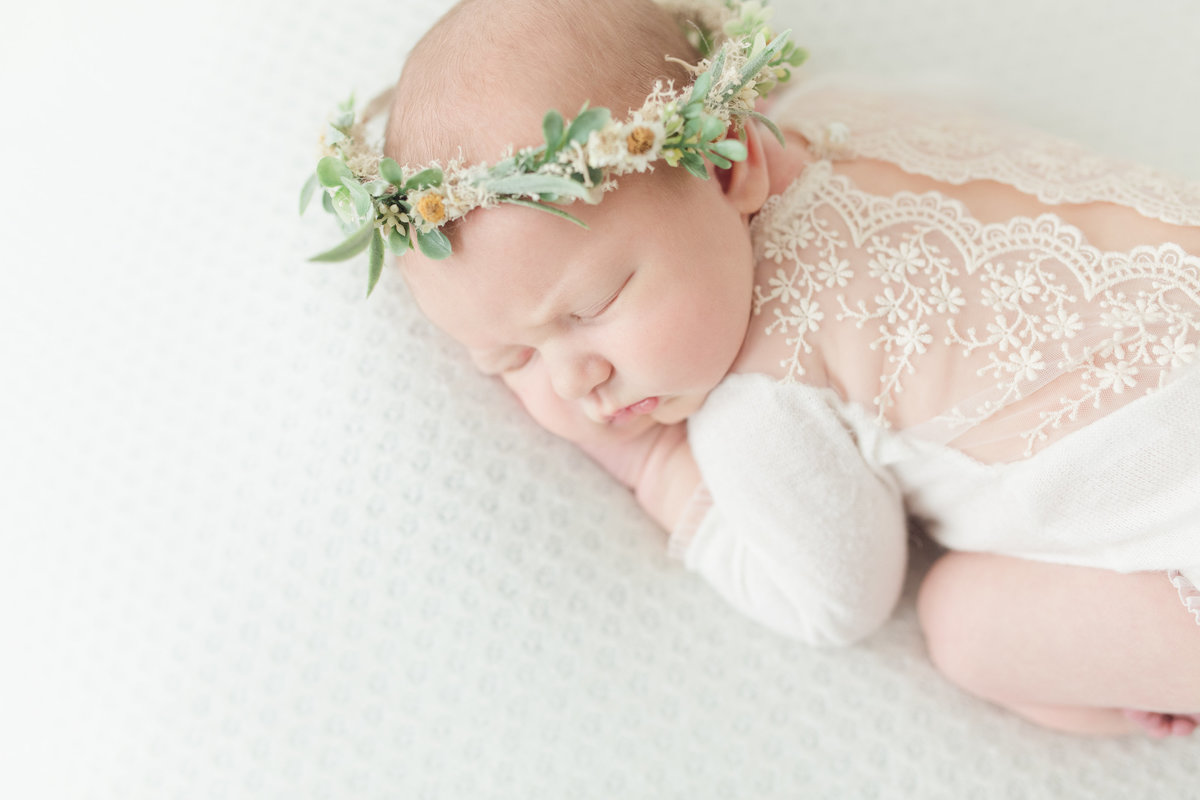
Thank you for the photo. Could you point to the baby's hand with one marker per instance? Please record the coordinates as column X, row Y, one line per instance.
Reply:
column 654, row 461
column 657, row 465
column 628, row 460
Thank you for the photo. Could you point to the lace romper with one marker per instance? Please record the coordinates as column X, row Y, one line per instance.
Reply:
column 1018, row 387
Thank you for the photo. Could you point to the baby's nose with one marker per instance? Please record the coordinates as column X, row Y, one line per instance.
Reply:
column 576, row 377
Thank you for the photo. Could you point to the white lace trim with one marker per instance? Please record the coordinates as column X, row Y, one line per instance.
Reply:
column 1189, row 595
column 929, row 259
column 956, row 147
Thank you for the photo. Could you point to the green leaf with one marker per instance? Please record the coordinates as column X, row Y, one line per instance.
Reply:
column 702, row 86
column 327, row 203
column 399, row 242
column 695, row 165
column 376, row 188
column 424, row 179
column 306, row 193
column 558, row 212
column 538, row 184
column 771, row 126
column 434, row 244
column 391, row 172
column 718, row 160
column 591, row 119
column 552, row 129
column 331, row 170
column 755, row 65
column 711, row 128
column 355, row 244
column 376, row 260
column 362, row 200
column 731, row 149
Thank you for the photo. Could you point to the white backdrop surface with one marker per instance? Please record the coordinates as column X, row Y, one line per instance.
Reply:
column 260, row 538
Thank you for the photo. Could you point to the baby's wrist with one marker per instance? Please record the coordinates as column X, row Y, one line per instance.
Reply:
column 669, row 479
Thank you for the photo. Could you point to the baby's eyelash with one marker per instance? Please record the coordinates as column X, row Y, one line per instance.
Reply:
column 599, row 308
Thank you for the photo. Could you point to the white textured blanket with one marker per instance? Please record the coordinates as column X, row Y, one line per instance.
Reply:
column 264, row 539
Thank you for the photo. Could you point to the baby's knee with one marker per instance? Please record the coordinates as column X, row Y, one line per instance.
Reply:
column 949, row 622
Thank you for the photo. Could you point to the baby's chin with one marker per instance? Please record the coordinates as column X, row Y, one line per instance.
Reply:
column 678, row 408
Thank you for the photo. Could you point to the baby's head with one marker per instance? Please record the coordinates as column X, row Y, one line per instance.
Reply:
column 629, row 321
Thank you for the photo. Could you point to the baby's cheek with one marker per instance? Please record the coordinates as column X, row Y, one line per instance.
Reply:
column 548, row 409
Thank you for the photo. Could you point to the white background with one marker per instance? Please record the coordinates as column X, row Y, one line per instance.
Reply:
column 261, row 538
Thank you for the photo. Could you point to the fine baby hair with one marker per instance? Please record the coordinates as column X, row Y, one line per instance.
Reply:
column 381, row 205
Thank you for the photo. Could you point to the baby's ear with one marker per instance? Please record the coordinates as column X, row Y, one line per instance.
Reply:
column 747, row 183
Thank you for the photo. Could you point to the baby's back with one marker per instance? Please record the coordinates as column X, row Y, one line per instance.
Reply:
column 981, row 286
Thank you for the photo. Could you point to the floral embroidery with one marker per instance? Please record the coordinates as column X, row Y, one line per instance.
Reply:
column 1050, row 303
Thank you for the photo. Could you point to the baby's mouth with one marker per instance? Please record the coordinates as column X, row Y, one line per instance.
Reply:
column 640, row 408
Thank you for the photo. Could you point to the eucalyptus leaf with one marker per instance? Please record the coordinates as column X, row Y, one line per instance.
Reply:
column 434, row 244
column 327, row 203
column 731, row 149
column 376, row 261
column 694, row 165
column 306, row 193
column 424, row 179
column 391, row 172
column 718, row 160
column 360, row 197
column 755, row 64
column 333, row 136
column 352, row 246
column 558, row 212
column 331, row 170
column 552, row 129
column 591, row 119
column 771, row 126
column 711, row 128
column 376, row 188
column 539, row 184
column 398, row 242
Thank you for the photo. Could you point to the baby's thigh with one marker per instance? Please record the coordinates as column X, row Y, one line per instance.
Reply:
column 1024, row 632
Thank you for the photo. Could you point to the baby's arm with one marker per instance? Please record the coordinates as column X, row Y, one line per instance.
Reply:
column 657, row 466
column 803, row 534
column 793, row 528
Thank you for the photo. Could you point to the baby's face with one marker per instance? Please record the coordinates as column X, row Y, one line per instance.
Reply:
column 630, row 322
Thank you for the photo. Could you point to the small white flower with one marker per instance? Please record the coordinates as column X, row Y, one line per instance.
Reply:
column 642, row 140
column 783, row 287
column 913, row 336
column 835, row 271
column 889, row 303
column 1001, row 335
column 947, row 298
column 604, row 146
column 909, row 257
column 1175, row 352
column 390, row 217
column 886, row 268
column 1118, row 375
column 806, row 314
column 1061, row 325
column 1027, row 363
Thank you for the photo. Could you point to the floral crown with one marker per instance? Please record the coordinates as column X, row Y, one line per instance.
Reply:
column 380, row 204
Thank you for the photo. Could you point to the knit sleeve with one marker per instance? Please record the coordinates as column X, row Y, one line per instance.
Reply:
column 793, row 527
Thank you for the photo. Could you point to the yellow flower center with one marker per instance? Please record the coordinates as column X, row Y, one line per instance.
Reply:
column 639, row 140
column 431, row 208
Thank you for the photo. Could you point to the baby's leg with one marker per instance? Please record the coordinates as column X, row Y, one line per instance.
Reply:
column 1070, row 648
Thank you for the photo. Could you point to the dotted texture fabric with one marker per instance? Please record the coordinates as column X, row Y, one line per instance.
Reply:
column 260, row 538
